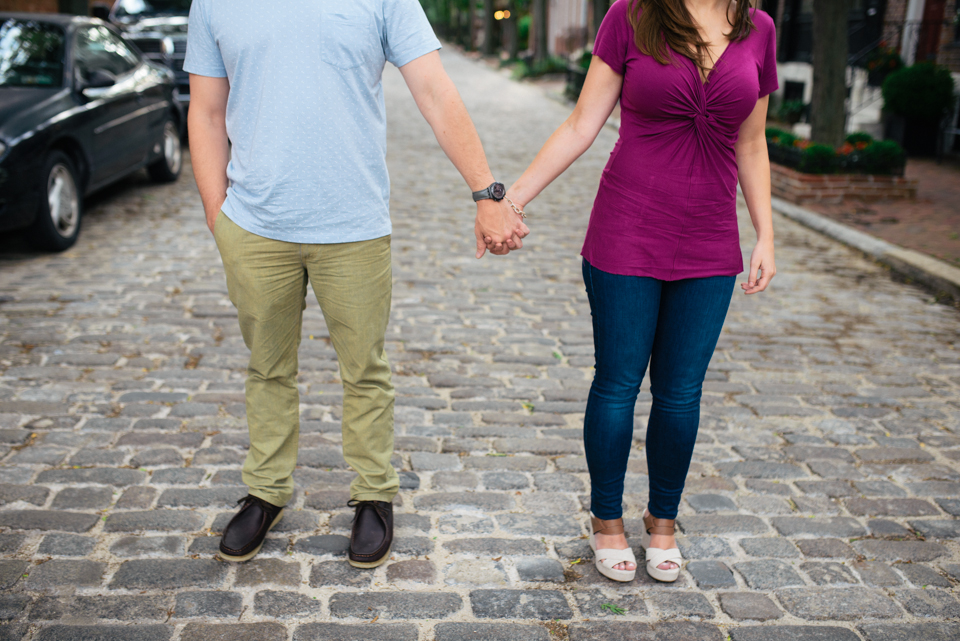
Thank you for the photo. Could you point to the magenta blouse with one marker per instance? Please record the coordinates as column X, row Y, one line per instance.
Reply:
column 667, row 203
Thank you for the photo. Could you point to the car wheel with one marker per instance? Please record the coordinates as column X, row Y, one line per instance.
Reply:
column 166, row 169
column 57, row 225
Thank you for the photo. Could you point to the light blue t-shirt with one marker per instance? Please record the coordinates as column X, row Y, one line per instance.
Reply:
column 305, row 113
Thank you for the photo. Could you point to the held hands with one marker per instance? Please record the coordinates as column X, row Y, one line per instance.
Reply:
column 498, row 228
column 760, row 260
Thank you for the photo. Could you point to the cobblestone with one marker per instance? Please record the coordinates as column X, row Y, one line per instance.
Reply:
column 847, row 604
column 828, row 446
column 749, row 606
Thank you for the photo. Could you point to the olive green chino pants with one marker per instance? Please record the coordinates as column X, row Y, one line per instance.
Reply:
column 267, row 282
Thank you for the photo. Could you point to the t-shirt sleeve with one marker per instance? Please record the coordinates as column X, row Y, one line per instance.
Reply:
column 203, row 54
column 407, row 32
column 613, row 37
column 768, row 60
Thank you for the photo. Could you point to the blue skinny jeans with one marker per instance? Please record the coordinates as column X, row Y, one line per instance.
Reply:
column 673, row 325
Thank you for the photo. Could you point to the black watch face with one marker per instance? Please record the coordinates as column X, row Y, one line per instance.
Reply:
column 498, row 191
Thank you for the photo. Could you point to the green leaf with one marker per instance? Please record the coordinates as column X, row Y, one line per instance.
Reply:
column 612, row 609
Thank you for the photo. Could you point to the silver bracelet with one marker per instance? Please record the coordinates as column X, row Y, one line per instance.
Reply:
column 519, row 210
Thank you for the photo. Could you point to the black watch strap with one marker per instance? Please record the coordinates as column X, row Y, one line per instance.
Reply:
column 496, row 191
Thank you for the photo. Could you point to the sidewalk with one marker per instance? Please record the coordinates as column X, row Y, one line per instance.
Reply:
column 930, row 224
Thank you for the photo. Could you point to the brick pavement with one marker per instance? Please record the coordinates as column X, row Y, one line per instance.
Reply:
column 821, row 503
column 929, row 224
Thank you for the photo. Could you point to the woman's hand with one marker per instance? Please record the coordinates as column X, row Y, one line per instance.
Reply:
column 761, row 260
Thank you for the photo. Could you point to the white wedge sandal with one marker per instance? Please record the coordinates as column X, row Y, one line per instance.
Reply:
column 656, row 556
column 607, row 558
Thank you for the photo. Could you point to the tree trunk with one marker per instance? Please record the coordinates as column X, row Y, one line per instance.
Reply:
column 511, row 32
column 488, row 26
column 830, row 51
column 541, row 51
column 599, row 11
column 471, row 25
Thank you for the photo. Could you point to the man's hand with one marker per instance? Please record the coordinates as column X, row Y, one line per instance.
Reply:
column 498, row 228
column 212, row 218
column 209, row 145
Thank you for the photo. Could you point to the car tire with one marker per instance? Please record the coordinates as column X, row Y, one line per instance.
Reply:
column 57, row 224
column 166, row 169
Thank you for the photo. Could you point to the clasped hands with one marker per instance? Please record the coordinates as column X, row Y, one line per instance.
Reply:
column 499, row 229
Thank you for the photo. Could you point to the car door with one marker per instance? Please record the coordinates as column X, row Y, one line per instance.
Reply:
column 118, row 141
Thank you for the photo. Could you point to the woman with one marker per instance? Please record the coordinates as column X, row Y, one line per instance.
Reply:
column 662, row 249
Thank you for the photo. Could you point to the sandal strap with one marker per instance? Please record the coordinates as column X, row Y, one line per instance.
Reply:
column 666, row 527
column 656, row 556
column 607, row 528
column 611, row 557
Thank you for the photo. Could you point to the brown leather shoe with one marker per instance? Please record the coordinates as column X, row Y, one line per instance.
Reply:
column 244, row 535
column 372, row 533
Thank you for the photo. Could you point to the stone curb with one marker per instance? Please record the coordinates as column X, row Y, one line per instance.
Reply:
column 942, row 278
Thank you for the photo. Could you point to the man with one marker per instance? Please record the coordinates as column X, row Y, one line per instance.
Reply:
column 302, row 197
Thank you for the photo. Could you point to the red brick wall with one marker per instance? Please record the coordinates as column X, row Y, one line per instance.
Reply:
column 32, row 6
column 893, row 19
column 949, row 53
column 804, row 188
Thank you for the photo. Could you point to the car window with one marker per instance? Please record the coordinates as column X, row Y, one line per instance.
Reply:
column 126, row 9
column 98, row 48
column 31, row 54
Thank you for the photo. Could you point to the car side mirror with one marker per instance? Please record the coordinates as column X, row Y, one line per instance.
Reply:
column 95, row 82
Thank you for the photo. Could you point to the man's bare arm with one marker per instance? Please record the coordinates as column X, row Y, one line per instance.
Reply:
column 209, row 147
column 441, row 106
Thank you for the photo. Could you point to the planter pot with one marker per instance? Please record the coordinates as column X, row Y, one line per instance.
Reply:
column 575, row 77
column 893, row 127
column 917, row 137
column 920, row 138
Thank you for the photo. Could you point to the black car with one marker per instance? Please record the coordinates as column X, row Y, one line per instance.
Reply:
column 159, row 29
column 79, row 109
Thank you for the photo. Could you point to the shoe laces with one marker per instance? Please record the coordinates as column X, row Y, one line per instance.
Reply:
column 250, row 498
column 380, row 510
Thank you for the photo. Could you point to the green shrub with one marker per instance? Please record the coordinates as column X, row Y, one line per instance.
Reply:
column 774, row 132
column 818, row 159
column 780, row 137
column 923, row 91
column 585, row 59
column 520, row 70
column 790, row 110
column 553, row 64
column 859, row 137
column 523, row 31
column 883, row 157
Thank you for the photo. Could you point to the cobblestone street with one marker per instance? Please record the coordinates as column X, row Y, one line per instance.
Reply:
column 822, row 503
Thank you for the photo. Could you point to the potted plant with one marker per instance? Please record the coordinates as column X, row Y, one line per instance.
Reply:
column 915, row 100
column 881, row 62
column 577, row 73
column 790, row 111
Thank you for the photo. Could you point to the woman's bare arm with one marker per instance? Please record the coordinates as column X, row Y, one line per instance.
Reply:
column 599, row 96
column 753, row 168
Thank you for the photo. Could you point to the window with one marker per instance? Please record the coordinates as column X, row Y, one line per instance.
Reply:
column 31, row 54
column 100, row 49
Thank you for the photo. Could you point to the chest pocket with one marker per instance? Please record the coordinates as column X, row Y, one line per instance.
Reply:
column 349, row 40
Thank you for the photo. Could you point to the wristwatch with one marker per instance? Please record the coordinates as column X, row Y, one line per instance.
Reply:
column 496, row 191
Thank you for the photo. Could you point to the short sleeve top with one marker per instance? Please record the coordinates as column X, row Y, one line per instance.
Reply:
column 305, row 114
column 666, row 205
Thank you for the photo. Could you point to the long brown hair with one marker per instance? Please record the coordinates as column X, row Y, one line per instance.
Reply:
column 662, row 25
